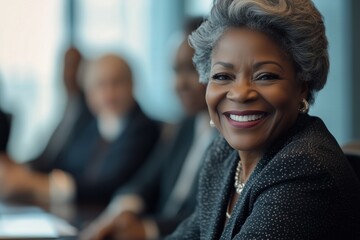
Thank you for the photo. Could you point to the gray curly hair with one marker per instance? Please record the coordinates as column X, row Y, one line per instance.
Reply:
column 296, row 25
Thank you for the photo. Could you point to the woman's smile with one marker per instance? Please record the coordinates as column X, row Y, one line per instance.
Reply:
column 245, row 119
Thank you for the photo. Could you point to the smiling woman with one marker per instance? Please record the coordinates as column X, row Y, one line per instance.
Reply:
column 275, row 172
column 253, row 95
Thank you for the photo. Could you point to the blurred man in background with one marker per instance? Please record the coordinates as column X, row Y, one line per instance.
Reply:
column 75, row 116
column 105, row 151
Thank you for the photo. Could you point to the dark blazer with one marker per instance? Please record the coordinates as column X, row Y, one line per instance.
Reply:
column 52, row 153
column 155, row 182
column 4, row 131
column 303, row 188
column 100, row 167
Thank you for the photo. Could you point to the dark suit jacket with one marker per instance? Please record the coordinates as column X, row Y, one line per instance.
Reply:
column 4, row 131
column 303, row 188
column 52, row 152
column 155, row 182
column 100, row 167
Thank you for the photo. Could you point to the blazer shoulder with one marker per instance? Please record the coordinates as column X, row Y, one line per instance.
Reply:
column 311, row 153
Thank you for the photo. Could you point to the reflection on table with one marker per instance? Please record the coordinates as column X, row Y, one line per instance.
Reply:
column 20, row 221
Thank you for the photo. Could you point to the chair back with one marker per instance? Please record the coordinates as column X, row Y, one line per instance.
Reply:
column 354, row 160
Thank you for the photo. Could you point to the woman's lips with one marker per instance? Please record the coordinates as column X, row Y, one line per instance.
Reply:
column 245, row 119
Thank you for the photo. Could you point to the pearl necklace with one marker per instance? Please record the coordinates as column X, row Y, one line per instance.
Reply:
column 239, row 185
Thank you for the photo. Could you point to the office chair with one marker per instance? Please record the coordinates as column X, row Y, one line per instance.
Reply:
column 354, row 160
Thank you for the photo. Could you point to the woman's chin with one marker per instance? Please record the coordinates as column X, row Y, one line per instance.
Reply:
column 245, row 145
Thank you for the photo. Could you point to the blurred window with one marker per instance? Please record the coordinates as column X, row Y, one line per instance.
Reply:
column 31, row 36
column 198, row 7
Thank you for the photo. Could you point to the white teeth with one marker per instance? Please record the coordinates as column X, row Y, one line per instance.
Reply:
column 246, row 118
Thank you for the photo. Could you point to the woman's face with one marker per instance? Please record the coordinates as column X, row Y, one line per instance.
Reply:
column 252, row 95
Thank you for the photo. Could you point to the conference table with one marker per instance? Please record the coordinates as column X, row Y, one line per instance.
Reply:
column 25, row 221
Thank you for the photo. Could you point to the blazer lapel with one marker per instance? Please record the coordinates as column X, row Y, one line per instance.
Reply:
column 225, row 171
column 244, row 205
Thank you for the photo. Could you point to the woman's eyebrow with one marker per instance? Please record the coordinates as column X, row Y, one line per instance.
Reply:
column 259, row 64
column 224, row 64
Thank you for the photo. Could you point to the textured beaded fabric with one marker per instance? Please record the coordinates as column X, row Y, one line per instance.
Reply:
column 302, row 188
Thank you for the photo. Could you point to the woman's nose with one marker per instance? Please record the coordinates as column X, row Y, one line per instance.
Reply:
column 242, row 91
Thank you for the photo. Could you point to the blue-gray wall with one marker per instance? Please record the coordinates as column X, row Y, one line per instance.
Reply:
column 334, row 103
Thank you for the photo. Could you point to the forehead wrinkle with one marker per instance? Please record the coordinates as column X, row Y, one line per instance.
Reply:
column 232, row 60
column 259, row 64
column 224, row 64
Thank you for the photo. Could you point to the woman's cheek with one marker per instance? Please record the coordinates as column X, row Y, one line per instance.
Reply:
column 279, row 97
column 215, row 94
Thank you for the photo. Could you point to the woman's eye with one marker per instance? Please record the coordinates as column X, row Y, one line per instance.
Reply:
column 221, row 77
column 267, row 76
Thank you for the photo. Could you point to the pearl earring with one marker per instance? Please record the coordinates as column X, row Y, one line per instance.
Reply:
column 304, row 106
column 212, row 124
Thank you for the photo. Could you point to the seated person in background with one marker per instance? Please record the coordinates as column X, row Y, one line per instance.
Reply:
column 162, row 194
column 105, row 152
column 76, row 114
